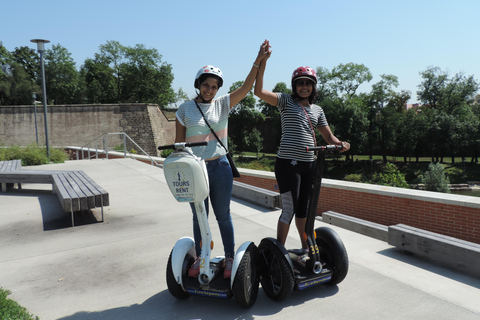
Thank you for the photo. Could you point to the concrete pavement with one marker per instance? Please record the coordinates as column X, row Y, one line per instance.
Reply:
column 116, row 269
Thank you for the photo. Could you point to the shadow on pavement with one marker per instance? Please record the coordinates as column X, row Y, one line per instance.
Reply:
column 164, row 306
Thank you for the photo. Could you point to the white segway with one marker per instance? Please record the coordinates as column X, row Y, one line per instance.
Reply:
column 187, row 179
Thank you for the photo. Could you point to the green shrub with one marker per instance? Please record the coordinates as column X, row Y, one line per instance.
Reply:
column 10, row 309
column 354, row 177
column 434, row 179
column 165, row 153
column 33, row 155
column 390, row 176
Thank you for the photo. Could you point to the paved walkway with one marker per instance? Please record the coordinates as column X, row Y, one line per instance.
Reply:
column 116, row 269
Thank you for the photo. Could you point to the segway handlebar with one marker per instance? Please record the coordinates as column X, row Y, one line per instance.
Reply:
column 330, row 147
column 180, row 145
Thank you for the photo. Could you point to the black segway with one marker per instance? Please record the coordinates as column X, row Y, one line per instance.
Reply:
column 187, row 178
column 282, row 271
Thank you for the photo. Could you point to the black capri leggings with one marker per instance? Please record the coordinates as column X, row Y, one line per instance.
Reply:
column 294, row 180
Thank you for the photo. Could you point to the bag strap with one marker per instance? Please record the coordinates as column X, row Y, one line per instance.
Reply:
column 311, row 127
column 210, row 126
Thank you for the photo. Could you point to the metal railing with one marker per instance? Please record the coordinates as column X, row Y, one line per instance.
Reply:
column 105, row 140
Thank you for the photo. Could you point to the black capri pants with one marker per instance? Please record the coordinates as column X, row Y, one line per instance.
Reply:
column 294, row 180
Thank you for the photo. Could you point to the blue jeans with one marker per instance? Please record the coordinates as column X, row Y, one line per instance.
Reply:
column 221, row 183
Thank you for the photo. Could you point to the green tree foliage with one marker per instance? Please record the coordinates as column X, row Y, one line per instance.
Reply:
column 128, row 74
column 243, row 118
column 62, row 77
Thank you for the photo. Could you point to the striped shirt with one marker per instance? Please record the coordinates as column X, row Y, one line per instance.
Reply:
column 296, row 130
column 216, row 114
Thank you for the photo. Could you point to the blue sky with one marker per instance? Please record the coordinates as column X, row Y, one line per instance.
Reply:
column 401, row 38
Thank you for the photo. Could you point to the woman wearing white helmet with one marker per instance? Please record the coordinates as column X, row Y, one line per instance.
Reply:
column 191, row 127
column 293, row 166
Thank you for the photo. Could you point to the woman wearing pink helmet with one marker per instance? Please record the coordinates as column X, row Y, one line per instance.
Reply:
column 293, row 166
column 191, row 126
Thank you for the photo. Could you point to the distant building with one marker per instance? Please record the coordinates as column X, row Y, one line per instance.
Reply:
column 412, row 105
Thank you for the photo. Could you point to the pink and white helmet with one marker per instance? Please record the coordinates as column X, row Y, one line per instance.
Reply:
column 304, row 73
column 208, row 71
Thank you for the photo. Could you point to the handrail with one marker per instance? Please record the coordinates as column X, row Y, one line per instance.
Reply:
column 104, row 138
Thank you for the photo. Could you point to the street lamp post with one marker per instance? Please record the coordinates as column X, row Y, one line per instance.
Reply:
column 34, row 96
column 40, row 47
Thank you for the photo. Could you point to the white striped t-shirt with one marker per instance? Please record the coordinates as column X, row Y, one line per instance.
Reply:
column 296, row 130
column 216, row 114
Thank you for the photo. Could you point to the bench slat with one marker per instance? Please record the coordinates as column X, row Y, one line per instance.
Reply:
column 62, row 194
column 75, row 201
column 88, row 201
column 97, row 190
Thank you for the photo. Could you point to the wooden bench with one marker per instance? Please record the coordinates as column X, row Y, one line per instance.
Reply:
column 7, row 166
column 75, row 190
column 450, row 252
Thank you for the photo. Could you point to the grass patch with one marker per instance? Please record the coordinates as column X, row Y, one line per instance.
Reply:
column 11, row 310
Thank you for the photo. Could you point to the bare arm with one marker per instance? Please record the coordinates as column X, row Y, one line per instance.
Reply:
column 331, row 139
column 180, row 132
column 237, row 95
column 267, row 96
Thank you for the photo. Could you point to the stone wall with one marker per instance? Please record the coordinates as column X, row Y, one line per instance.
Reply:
column 79, row 125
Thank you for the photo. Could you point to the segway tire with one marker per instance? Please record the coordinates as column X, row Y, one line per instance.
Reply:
column 276, row 273
column 333, row 252
column 246, row 282
column 174, row 287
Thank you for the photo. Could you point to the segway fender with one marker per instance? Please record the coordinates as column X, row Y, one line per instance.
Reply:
column 238, row 257
column 183, row 246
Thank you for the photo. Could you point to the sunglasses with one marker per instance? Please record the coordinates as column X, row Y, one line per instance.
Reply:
column 304, row 83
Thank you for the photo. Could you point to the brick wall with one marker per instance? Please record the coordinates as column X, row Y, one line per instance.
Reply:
column 448, row 214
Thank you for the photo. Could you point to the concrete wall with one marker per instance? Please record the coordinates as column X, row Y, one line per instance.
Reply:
column 448, row 214
column 78, row 125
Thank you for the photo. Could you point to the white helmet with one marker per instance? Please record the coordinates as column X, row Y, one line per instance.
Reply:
column 208, row 71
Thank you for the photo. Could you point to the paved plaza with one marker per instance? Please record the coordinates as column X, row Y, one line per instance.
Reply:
column 116, row 269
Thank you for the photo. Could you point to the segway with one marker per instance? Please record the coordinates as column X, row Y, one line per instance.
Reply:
column 187, row 179
column 282, row 271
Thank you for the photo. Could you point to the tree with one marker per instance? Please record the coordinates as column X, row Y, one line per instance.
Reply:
column 255, row 141
column 146, row 78
column 441, row 92
column 348, row 77
column 61, row 76
column 126, row 74
column 243, row 118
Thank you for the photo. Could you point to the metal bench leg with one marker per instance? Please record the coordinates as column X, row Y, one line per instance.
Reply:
column 73, row 220
column 102, row 208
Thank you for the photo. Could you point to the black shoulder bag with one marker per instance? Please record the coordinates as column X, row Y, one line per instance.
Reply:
column 235, row 172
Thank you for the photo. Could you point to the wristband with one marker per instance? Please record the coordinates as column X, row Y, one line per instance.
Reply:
column 256, row 65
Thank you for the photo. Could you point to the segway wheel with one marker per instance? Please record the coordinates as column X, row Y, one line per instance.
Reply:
column 333, row 252
column 276, row 273
column 173, row 286
column 245, row 284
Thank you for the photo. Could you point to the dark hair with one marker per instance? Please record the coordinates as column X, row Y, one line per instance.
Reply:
column 311, row 98
column 204, row 76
